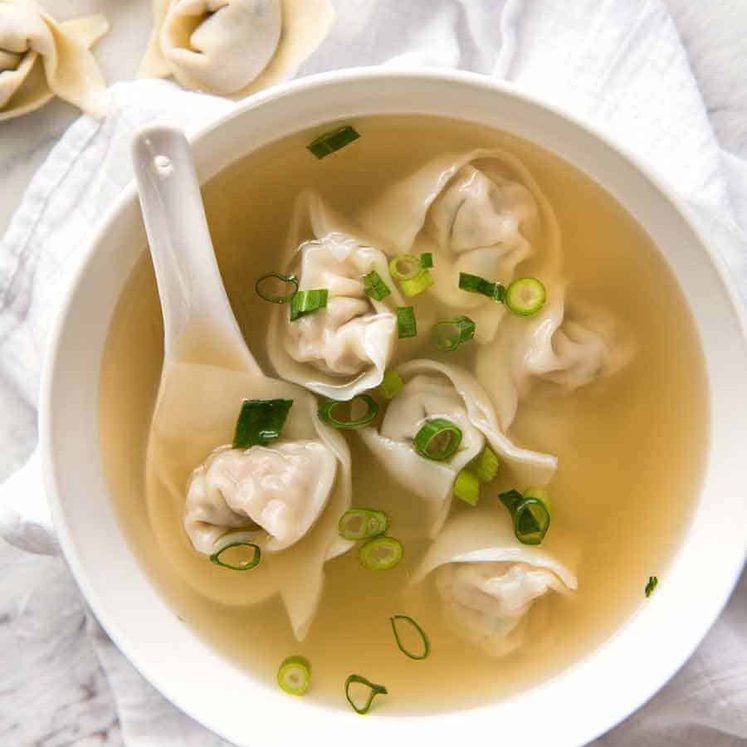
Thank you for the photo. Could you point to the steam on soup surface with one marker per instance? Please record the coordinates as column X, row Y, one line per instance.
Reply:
column 593, row 403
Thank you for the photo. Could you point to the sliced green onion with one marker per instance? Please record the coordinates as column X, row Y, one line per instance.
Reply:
column 525, row 296
column 417, row 285
column 438, row 439
column 381, row 553
column 476, row 284
column 328, row 407
column 485, row 465
column 406, row 324
column 391, row 385
column 426, row 644
column 307, row 302
column 467, row 486
column 294, row 675
column 540, row 494
column 651, row 584
column 266, row 282
column 499, row 294
column 531, row 517
column 260, row 421
column 426, row 260
column 362, row 523
column 373, row 691
column 408, row 271
column 449, row 334
column 229, row 557
column 375, row 287
column 331, row 141
column 405, row 267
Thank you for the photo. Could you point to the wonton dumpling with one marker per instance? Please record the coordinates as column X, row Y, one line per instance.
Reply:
column 570, row 346
column 295, row 489
column 431, row 390
column 344, row 349
column 40, row 58
column 233, row 47
column 487, row 581
column 274, row 492
column 479, row 212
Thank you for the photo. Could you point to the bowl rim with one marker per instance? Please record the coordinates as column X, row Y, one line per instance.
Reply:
column 320, row 81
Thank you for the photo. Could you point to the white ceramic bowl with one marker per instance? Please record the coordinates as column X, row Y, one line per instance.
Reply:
column 571, row 709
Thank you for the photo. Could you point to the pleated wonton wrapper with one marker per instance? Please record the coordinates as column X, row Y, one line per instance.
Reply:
column 437, row 390
column 488, row 582
column 233, row 47
column 40, row 59
column 343, row 349
column 482, row 212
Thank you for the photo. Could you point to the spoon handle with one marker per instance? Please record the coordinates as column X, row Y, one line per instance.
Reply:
column 198, row 319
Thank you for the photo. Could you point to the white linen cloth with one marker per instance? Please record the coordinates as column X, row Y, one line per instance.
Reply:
column 618, row 64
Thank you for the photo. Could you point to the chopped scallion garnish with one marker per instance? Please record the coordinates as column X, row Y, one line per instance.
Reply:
column 525, row 296
column 329, row 407
column 531, row 516
column 449, row 334
column 375, row 287
column 394, row 620
column 391, row 385
column 362, row 523
column 426, row 260
column 406, row 324
column 331, row 141
column 373, row 691
column 408, row 271
column 438, row 439
column 476, row 284
column 651, row 584
column 260, row 421
column 307, row 302
column 294, row 675
column 381, row 553
column 467, row 486
column 233, row 556
column 485, row 465
column 270, row 287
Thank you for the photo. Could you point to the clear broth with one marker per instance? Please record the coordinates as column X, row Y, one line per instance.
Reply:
column 631, row 448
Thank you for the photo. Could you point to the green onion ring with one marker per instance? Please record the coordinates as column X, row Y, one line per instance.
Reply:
column 651, row 584
column 294, row 675
column 525, row 296
column 372, row 523
column 434, row 430
column 426, row 260
column 485, row 465
column 391, row 385
column 329, row 142
column 374, row 690
column 244, row 565
column 381, row 553
column 417, row 285
column 476, row 284
column 467, row 486
column 306, row 302
column 405, row 267
column 531, row 516
column 407, row 325
column 260, row 421
column 290, row 280
column 393, row 620
column 449, row 334
column 328, row 406
column 375, row 287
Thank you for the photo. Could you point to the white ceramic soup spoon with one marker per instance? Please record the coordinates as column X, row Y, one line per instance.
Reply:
column 208, row 373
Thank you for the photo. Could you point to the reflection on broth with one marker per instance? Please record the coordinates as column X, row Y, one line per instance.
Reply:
column 561, row 406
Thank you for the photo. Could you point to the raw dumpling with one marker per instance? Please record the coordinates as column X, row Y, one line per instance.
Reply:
column 479, row 212
column 40, row 58
column 433, row 390
column 487, row 581
column 344, row 349
column 286, row 497
column 275, row 493
column 233, row 47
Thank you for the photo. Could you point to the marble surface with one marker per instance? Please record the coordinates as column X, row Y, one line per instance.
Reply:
column 41, row 702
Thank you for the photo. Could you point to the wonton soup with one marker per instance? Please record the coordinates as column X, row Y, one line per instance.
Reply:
column 522, row 451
